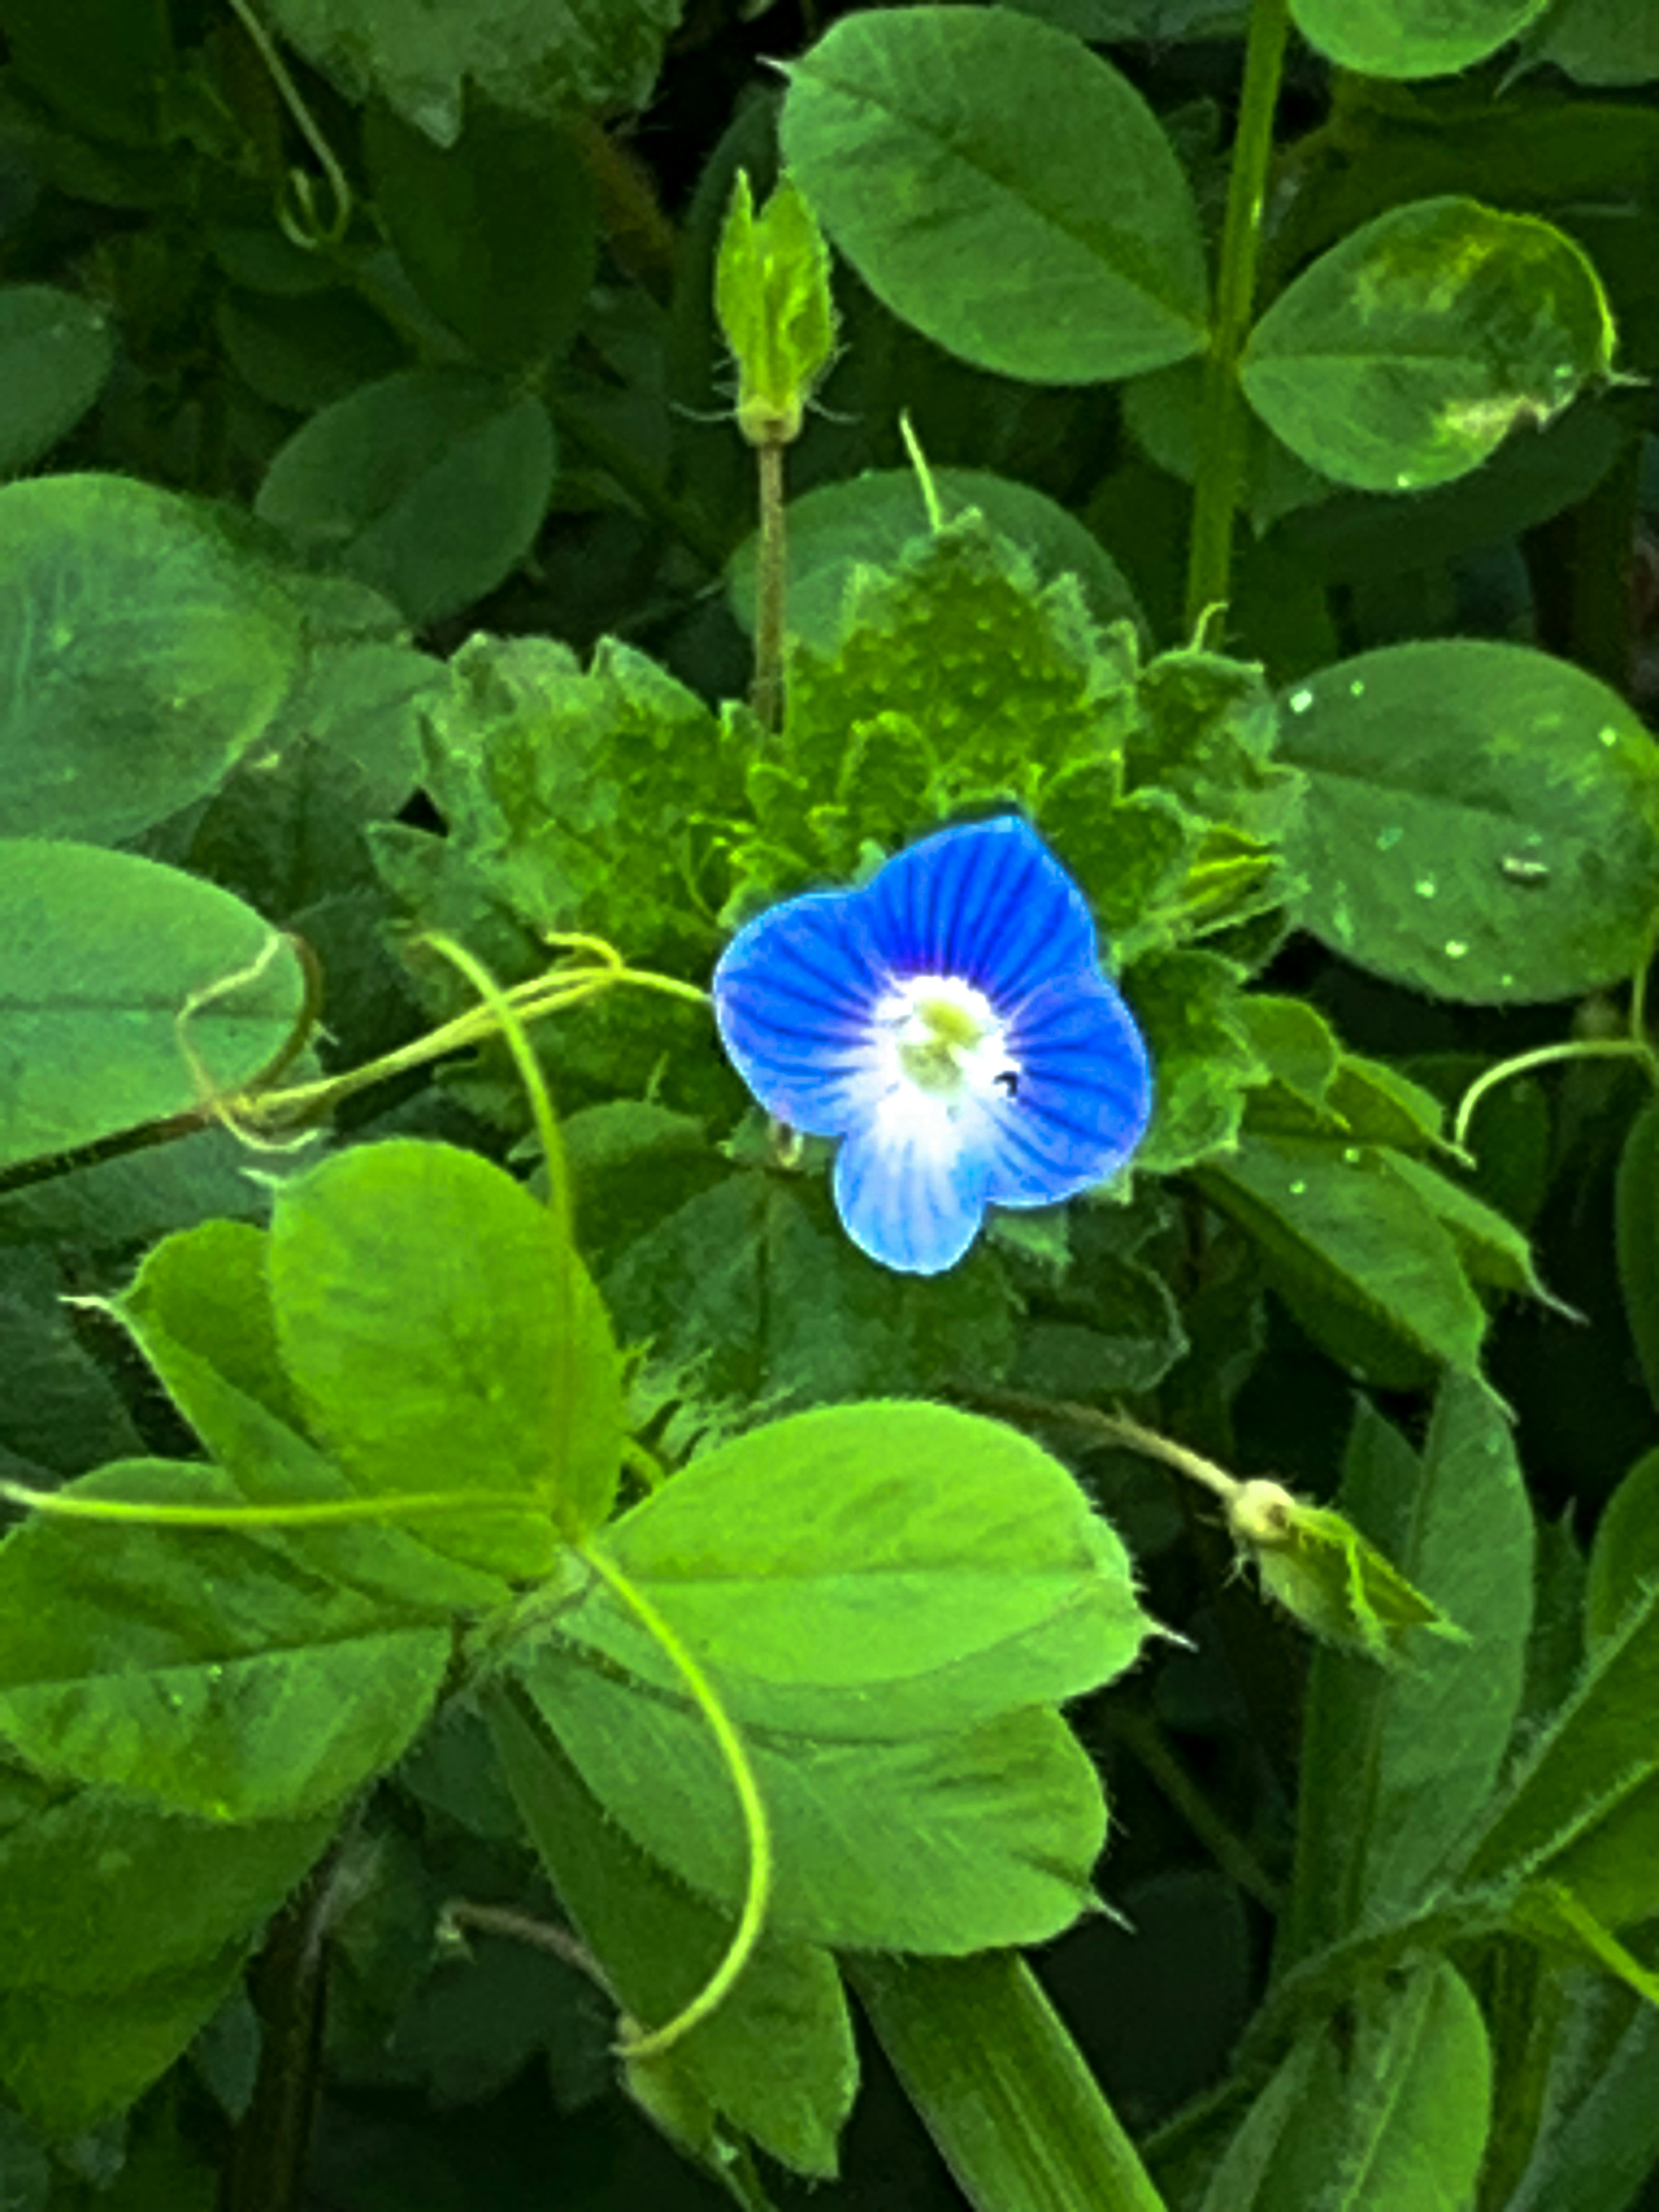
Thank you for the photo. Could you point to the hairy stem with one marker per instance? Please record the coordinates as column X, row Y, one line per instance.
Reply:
column 771, row 588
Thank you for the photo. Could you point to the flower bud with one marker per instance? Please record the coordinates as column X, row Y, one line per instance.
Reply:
column 772, row 296
column 1320, row 1568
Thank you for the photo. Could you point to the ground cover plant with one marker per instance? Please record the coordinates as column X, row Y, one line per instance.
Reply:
column 829, row 1168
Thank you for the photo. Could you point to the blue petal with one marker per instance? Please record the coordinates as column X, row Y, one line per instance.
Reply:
column 794, row 992
column 1085, row 1095
column 988, row 902
column 907, row 1202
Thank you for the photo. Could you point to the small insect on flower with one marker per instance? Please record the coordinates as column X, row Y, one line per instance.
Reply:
column 949, row 1023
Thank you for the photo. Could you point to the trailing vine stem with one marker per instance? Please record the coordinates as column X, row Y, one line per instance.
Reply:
column 1225, row 420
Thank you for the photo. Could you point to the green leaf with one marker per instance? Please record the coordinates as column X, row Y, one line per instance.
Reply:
column 751, row 1292
column 948, row 1843
column 304, row 353
column 56, row 353
column 541, row 58
column 1187, row 1006
column 200, row 1311
column 100, row 1998
column 777, row 2058
column 60, row 1410
column 100, row 954
column 1005, row 2092
column 141, row 654
column 194, row 1671
column 1636, row 1242
column 581, row 800
column 497, row 228
column 1600, row 41
column 870, row 520
column 430, row 486
column 105, row 65
column 1387, row 2112
column 1407, row 354
column 1582, row 1812
column 442, row 1336
column 1492, row 1249
column 1624, row 1561
column 1396, row 1763
column 874, row 1571
column 1412, row 37
column 1075, row 253
column 1480, row 821
column 1343, row 1234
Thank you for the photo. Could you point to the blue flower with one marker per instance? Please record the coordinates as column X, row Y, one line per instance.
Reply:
column 951, row 1025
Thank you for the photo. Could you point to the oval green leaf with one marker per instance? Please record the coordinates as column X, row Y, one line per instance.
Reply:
column 141, row 654
column 1412, row 37
column 1407, row 354
column 1003, row 189
column 1601, row 41
column 442, row 1336
column 430, row 486
column 99, row 954
column 55, row 353
column 1480, row 821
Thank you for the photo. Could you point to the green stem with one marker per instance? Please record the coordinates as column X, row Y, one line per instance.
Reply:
column 1142, row 1736
column 757, row 1829
column 1548, row 1055
column 1226, row 419
column 395, row 1505
column 771, row 588
column 1001, row 2087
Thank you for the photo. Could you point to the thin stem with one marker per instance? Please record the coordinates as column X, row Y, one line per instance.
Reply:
column 771, row 588
column 1226, row 419
column 499, row 1920
column 395, row 1506
column 1548, row 1055
column 1142, row 1736
column 334, row 230
column 1117, row 1429
column 756, row 1826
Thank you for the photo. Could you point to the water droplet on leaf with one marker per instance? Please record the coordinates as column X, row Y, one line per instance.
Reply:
column 1427, row 887
column 1300, row 702
column 1455, row 948
column 1387, row 839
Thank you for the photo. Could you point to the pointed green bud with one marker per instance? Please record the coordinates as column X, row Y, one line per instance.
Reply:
column 772, row 295
column 1320, row 1568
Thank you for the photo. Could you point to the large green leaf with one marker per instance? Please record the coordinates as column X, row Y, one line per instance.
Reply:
column 1387, row 2113
column 1412, row 37
column 1395, row 1764
column 777, row 2057
column 100, row 954
column 539, row 57
column 933, row 1843
column 1625, row 1559
column 194, row 1671
column 750, row 1290
column 100, row 1998
column 875, row 1570
column 1407, row 354
column 442, row 1336
column 1583, row 1810
column 429, row 485
column 55, row 352
column 1356, row 1251
column 1003, row 189
column 1601, row 41
column 497, row 230
column 1480, row 821
column 141, row 654
column 200, row 1311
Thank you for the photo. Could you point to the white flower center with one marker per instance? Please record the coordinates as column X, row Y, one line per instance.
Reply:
column 946, row 1043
